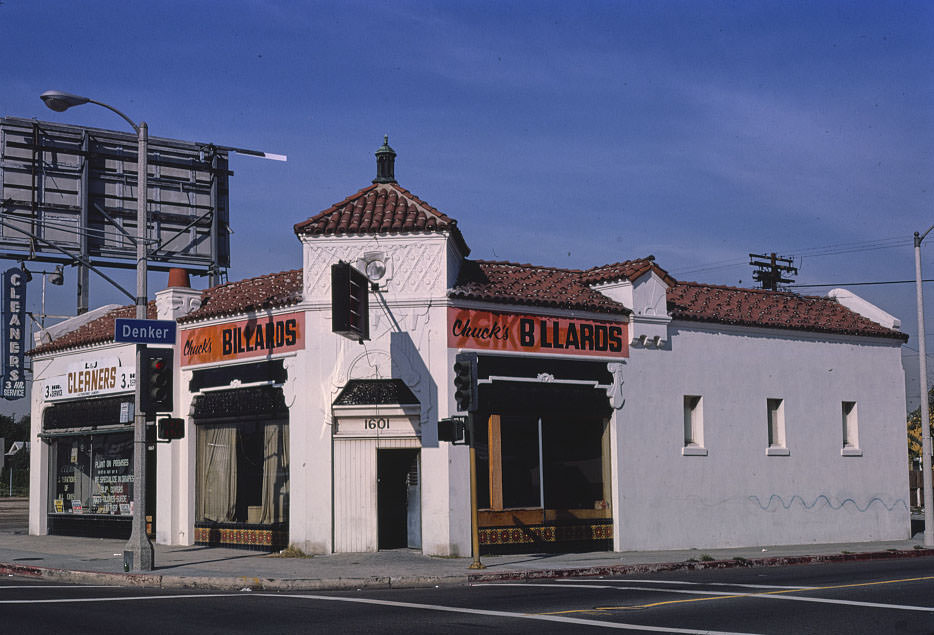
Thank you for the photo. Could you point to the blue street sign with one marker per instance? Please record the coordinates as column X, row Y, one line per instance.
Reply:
column 144, row 331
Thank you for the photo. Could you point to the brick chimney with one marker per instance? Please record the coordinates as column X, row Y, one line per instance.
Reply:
column 178, row 298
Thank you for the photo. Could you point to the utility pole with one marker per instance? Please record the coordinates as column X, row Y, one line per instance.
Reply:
column 770, row 270
column 138, row 554
column 925, row 409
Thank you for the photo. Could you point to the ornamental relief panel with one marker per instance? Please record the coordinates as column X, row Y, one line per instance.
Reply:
column 401, row 361
column 650, row 298
column 412, row 267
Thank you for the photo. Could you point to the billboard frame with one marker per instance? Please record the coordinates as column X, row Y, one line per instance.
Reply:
column 68, row 195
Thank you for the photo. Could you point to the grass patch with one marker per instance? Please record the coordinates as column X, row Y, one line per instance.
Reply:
column 707, row 558
column 291, row 552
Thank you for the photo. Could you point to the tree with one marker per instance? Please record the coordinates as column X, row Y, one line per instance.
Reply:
column 914, row 427
column 12, row 430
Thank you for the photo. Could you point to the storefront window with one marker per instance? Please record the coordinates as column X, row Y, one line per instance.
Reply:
column 554, row 462
column 520, row 453
column 573, row 463
column 92, row 474
column 243, row 472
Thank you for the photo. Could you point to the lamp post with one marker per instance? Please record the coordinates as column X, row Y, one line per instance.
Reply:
column 925, row 410
column 138, row 554
column 58, row 279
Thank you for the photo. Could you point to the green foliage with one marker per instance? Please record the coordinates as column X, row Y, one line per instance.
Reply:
column 914, row 427
column 11, row 431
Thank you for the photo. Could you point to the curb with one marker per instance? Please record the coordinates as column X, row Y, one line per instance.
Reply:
column 247, row 583
column 629, row 569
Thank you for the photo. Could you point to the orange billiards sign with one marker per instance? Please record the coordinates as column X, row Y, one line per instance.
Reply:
column 512, row 332
column 260, row 336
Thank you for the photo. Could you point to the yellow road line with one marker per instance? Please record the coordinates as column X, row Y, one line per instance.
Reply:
column 633, row 607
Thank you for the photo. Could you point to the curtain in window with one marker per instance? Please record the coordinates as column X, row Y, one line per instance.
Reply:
column 275, row 474
column 217, row 473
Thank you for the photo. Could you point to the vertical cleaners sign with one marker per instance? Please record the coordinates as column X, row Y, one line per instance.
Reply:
column 14, row 333
column 485, row 330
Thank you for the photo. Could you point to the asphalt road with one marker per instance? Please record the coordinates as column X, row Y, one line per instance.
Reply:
column 14, row 515
column 890, row 596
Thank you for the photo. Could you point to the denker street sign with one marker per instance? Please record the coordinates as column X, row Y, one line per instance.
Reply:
column 134, row 331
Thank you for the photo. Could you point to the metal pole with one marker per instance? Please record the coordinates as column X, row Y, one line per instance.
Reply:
column 138, row 554
column 474, row 516
column 42, row 315
column 925, row 410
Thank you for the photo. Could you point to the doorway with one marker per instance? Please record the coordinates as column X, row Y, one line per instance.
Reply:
column 398, row 499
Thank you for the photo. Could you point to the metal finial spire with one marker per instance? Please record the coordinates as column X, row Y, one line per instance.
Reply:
column 385, row 163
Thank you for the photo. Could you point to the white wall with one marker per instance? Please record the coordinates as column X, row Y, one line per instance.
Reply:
column 407, row 341
column 736, row 495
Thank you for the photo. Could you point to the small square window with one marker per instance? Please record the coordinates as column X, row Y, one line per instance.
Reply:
column 693, row 426
column 850, row 430
column 776, row 419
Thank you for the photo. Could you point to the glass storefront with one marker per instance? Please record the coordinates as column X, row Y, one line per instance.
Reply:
column 243, row 472
column 92, row 474
column 543, row 467
column 242, row 463
column 90, row 490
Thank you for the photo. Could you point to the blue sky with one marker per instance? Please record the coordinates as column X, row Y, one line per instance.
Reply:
column 556, row 133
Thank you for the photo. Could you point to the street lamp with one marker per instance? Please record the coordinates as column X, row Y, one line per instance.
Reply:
column 56, row 277
column 925, row 410
column 138, row 554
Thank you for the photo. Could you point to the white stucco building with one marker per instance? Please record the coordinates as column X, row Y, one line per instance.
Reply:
column 618, row 408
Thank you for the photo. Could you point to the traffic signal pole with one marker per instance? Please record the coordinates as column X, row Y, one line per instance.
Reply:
column 474, row 513
column 138, row 555
column 466, row 396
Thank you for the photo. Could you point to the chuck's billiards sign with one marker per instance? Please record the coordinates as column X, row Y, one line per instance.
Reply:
column 519, row 333
column 243, row 339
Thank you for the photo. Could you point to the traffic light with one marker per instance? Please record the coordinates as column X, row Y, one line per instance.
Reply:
column 350, row 308
column 465, row 382
column 156, row 381
column 171, row 428
column 453, row 430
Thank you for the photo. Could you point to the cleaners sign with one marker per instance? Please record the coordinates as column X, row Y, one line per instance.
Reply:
column 14, row 333
column 512, row 332
column 91, row 377
column 243, row 339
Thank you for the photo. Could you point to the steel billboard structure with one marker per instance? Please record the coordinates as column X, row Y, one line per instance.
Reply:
column 68, row 195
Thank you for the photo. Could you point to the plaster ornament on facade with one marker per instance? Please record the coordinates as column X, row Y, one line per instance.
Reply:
column 330, row 445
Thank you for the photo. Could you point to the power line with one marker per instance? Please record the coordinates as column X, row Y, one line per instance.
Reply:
column 856, row 284
column 835, row 249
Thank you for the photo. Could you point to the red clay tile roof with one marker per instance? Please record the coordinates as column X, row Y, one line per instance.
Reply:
column 381, row 208
column 511, row 283
column 628, row 270
column 98, row 331
column 769, row 309
column 263, row 292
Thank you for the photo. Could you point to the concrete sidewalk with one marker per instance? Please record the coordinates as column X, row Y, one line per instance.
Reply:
column 100, row 561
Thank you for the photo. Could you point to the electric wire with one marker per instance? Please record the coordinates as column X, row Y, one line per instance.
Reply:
column 834, row 249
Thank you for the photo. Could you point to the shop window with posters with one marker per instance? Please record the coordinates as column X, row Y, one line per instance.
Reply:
column 92, row 475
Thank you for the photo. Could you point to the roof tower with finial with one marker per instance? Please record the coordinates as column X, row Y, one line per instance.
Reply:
column 385, row 163
column 381, row 208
